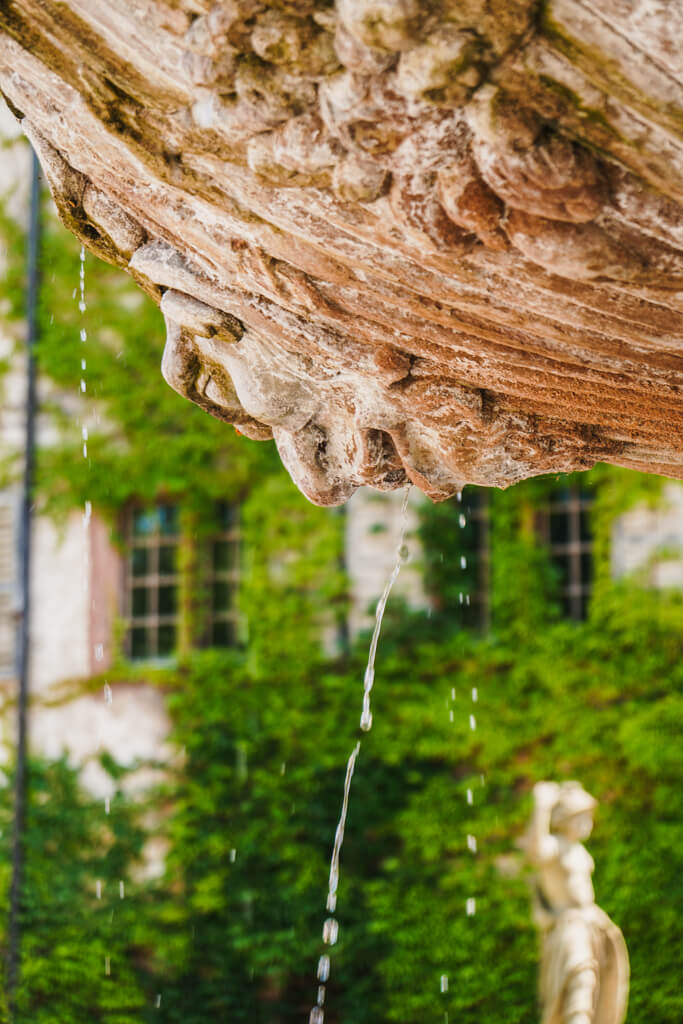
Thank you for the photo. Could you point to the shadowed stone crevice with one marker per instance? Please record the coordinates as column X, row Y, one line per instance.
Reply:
column 407, row 240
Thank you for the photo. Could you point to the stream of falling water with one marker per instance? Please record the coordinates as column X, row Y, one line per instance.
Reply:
column 331, row 926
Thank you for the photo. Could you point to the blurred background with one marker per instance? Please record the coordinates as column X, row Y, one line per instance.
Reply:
column 198, row 639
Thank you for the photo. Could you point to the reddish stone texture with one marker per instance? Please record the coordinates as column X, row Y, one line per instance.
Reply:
column 411, row 241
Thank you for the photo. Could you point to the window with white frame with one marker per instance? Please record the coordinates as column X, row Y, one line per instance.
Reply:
column 566, row 529
column 153, row 580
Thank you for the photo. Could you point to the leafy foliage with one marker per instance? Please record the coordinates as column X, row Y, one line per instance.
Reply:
column 249, row 810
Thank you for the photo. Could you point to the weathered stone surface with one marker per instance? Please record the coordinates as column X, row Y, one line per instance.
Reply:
column 410, row 240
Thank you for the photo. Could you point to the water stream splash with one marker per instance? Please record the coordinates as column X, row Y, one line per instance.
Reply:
column 401, row 556
column 331, row 926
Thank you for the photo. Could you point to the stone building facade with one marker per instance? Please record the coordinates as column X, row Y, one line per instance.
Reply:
column 82, row 586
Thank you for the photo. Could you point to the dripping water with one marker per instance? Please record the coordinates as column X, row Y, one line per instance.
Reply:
column 331, row 925
column 401, row 556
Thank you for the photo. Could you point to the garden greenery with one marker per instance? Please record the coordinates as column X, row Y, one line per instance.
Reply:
column 231, row 932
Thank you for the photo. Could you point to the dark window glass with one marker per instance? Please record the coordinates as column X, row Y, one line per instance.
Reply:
column 167, row 600
column 139, row 561
column 559, row 528
column 167, row 560
column 168, row 520
column 138, row 643
column 223, row 634
column 166, row 640
column 221, row 596
column 140, row 602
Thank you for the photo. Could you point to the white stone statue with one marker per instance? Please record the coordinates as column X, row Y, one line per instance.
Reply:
column 584, row 961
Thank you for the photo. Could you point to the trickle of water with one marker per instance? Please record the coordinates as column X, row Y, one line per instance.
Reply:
column 158, row 1001
column 331, row 926
column 452, row 693
column 401, row 557
column 81, row 278
column 451, row 716
column 122, row 890
column 471, row 844
column 323, row 968
column 330, row 931
column 339, row 835
column 443, row 983
column 471, row 906
column 470, row 797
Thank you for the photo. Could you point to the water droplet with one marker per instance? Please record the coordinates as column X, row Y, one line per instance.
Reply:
column 98, row 889
column 459, row 495
column 321, row 995
column 463, row 562
column 451, row 716
column 452, row 693
column 84, row 335
column 366, row 721
column 73, row 294
column 461, row 597
column 467, row 600
column 471, row 906
column 283, row 767
column 470, row 797
column 85, row 450
column 443, row 983
column 83, row 386
column 475, row 694
column 83, row 364
column 107, row 805
column 99, row 652
column 323, row 968
column 108, row 695
column 158, row 1001
column 471, row 844
column 462, row 520
column 317, row 1016
column 473, row 723
column 122, row 890
column 233, row 856
column 330, row 931
column 404, row 553
column 82, row 306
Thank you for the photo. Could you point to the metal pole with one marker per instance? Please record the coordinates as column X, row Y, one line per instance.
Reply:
column 23, row 625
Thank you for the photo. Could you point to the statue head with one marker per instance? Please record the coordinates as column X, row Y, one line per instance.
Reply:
column 572, row 813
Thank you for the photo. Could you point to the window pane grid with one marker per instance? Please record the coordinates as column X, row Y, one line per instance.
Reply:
column 223, row 578
column 152, row 584
column 565, row 528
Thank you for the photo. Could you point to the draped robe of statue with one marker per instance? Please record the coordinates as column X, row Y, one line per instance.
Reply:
column 584, row 961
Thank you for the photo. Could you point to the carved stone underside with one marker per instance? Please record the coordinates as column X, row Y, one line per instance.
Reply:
column 437, row 242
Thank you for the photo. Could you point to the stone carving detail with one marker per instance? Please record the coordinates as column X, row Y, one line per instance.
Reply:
column 408, row 239
column 584, row 961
